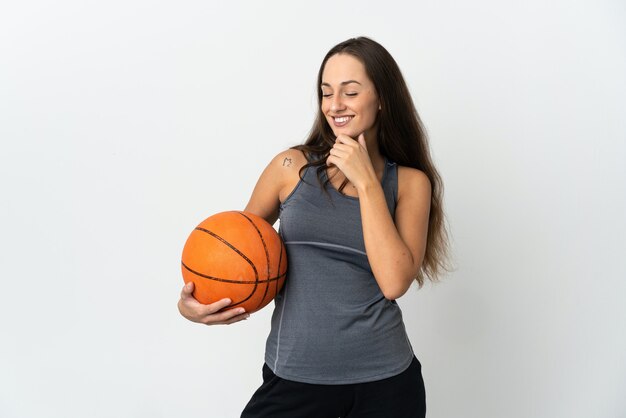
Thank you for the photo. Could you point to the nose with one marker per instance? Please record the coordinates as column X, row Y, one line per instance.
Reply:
column 336, row 103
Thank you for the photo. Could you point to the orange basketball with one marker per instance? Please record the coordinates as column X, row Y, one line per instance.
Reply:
column 235, row 255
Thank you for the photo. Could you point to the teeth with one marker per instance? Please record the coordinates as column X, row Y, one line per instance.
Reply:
column 343, row 119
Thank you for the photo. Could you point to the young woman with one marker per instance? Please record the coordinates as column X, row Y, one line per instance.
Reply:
column 360, row 208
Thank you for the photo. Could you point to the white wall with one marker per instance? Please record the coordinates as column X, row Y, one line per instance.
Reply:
column 125, row 123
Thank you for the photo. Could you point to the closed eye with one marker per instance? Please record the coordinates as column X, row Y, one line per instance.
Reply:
column 347, row 94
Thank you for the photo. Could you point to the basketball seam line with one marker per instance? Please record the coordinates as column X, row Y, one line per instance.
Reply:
column 271, row 279
column 267, row 257
column 232, row 247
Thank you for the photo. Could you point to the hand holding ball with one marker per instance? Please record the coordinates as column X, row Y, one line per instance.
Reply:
column 235, row 255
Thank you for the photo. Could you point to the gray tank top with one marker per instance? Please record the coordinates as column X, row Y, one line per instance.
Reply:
column 331, row 323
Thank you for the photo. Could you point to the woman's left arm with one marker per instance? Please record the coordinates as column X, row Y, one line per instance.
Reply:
column 396, row 250
column 395, row 247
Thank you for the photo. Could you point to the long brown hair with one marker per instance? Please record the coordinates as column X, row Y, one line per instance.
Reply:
column 401, row 138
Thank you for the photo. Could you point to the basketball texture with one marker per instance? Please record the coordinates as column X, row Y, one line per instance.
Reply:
column 236, row 255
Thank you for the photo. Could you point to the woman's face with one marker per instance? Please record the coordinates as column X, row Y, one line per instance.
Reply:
column 349, row 99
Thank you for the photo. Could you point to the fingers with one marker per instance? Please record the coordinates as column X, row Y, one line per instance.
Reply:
column 227, row 317
column 337, row 157
column 348, row 145
column 236, row 319
column 186, row 296
column 337, row 151
column 343, row 147
column 211, row 314
column 215, row 307
column 361, row 140
column 342, row 151
column 187, row 291
column 345, row 139
column 351, row 142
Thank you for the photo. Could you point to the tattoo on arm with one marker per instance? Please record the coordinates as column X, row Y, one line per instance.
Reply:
column 287, row 162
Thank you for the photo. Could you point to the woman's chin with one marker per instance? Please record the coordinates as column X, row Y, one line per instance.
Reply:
column 345, row 131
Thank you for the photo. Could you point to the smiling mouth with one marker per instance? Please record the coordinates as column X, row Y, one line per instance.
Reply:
column 342, row 120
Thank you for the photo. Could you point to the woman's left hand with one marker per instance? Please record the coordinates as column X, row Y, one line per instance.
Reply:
column 352, row 158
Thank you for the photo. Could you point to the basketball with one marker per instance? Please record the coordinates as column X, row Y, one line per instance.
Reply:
column 235, row 255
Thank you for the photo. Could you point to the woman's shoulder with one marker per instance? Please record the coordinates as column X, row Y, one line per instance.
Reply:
column 289, row 159
column 411, row 180
column 286, row 166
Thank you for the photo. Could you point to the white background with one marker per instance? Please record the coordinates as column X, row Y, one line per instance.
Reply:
column 123, row 124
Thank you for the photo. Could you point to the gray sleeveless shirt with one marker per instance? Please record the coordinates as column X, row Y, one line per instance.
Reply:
column 331, row 323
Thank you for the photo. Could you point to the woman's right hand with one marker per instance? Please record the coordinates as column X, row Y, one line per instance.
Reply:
column 210, row 314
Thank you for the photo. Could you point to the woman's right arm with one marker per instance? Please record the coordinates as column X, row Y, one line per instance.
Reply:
column 277, row 180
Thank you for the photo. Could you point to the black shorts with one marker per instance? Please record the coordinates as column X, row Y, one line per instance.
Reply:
column 401, row 396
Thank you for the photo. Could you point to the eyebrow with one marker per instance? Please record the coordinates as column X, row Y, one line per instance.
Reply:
column 343, row 83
